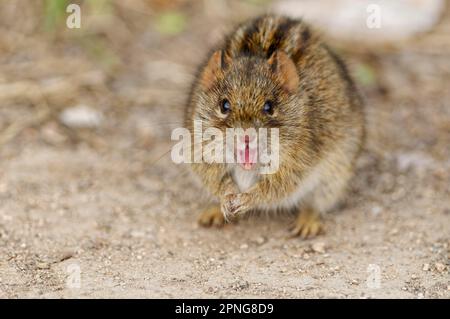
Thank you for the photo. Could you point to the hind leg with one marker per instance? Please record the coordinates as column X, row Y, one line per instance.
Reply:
column 308, row 224
column 211, row 217
column 309, row 220
column 325, row 196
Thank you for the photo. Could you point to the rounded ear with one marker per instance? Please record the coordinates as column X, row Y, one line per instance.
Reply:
column 285, row 69
column 217, row 63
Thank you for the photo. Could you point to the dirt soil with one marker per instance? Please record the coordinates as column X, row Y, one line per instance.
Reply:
column 105, row 202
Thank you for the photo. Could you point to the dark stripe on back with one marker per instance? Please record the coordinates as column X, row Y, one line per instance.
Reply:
column 301, row 47
column 253, row 42
column 252, row 29
column 280, row 35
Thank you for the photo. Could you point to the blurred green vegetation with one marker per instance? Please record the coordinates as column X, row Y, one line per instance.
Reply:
column 54, row 13
column 100, row 6
column 258, row 2
column 96, row 46
column 365, row 74
column 171, row 22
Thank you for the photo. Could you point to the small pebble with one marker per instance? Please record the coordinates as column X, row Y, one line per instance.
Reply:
column 439, row 267
column 52, row 134
column 260, row 240
column 42, row 265
column 394, row 231
column 318, row 247
column 244, row 246
column 426, row 267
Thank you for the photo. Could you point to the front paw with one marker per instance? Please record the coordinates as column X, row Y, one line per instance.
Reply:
column 234, row 204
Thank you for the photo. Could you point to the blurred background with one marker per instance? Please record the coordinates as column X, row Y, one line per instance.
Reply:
column 120, row 80
column 86, row 115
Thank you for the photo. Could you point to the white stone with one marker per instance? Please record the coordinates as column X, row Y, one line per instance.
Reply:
column 351, row 20
column 81, row 116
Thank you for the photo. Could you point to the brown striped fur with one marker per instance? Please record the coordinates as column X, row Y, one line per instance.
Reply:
column 320, row 119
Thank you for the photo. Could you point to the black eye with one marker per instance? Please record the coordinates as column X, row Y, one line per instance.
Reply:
column 268, row 107
column 225, row 106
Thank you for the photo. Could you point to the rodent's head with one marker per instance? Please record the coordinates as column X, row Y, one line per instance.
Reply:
column 249, row 92
column 246, row 91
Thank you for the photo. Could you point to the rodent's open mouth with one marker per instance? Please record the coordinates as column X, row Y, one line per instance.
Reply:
column 247, row 157
column 248, row 166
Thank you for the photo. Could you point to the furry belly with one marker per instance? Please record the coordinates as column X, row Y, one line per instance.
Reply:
column 294, row 199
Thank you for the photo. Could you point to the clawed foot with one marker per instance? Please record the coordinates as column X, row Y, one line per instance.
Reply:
column 230, row 207
column 307, row 225
column 212, row 217
column 235, row 204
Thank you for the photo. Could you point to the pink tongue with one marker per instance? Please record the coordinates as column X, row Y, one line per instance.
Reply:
column 247, row 155
column 248, row 162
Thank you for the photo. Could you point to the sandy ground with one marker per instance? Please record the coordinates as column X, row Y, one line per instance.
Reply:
column 103, row 204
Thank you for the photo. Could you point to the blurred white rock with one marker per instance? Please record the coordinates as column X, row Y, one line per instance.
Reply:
column 81, row 116
column 414, row 160
column 370, row 21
